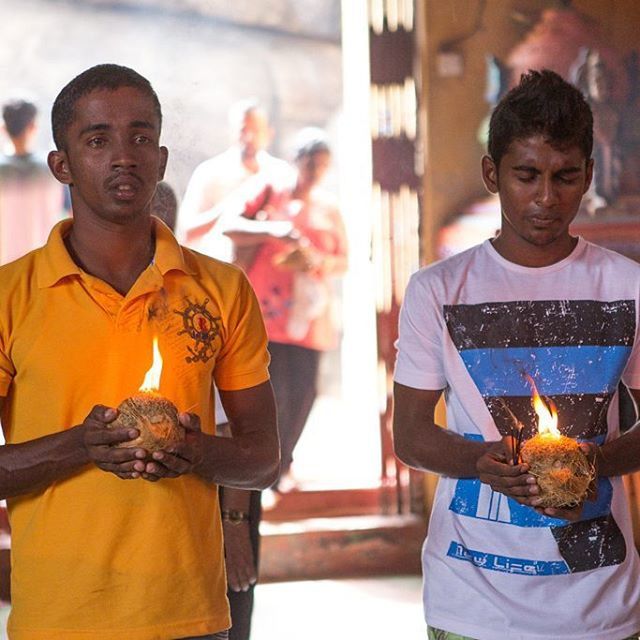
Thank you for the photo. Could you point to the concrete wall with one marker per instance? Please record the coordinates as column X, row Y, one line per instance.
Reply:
column 199, row 62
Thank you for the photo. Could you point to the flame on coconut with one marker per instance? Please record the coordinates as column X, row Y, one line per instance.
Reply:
column 546, row 412
column 151, row 383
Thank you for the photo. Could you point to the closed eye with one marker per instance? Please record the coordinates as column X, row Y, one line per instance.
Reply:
column 568, row 179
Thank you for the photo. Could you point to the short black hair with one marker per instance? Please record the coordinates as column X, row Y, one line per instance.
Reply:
column 542, row 104
column 102, row 76
column 18, row 113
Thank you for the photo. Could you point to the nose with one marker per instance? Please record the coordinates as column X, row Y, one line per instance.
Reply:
column 123, row 154
column 547, row 194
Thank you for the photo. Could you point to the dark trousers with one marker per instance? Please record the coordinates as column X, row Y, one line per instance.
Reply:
column 241, row 602
column 294, row 376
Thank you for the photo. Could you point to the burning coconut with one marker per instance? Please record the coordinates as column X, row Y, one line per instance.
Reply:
column 155, row 417
column 558, row 463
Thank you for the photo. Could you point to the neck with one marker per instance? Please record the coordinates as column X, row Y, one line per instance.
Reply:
column 532, row 255
column 250, row 162
column 116, row 255
column 302, row 190
column 20, row 147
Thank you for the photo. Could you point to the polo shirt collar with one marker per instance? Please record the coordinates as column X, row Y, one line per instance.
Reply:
column 55, row 263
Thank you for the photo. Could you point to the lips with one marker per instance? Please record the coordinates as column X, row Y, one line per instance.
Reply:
column 543, row 221
column 124, row 186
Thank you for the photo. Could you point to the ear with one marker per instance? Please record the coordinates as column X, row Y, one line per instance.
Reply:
column 59, row 166
column 589, row 176
column 164, row 157
column 490, row 174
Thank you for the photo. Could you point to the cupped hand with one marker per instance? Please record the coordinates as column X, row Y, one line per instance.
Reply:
column 180, row 458
column 99, row 441
column 497, row 469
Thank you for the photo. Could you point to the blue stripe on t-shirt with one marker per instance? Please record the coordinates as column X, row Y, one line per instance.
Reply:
column 556, row 370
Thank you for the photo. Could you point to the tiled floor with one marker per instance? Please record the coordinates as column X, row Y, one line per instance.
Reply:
column 372, row 609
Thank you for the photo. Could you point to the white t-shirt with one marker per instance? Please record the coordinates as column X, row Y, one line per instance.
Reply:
column 213, row 182
column 476, row 325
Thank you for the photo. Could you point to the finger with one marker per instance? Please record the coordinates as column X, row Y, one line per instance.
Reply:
column 101, row 436
column 491, row 465
column 158, row 470
column 136, row 466
column 232, row 578
column 189, row 421
column 520, row 491
column 133, row 475
column 102, row 413
column 173, row 463
column 116, row 455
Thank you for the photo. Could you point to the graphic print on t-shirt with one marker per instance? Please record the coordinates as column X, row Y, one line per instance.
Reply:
column 575, row 351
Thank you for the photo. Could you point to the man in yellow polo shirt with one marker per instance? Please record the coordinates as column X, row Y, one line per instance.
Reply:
column 115, row 542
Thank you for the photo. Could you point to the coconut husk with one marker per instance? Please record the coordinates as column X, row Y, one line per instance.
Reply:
column 561, row 469
column 154, row 416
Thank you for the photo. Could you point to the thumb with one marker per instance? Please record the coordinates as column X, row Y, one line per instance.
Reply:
column 190, row 421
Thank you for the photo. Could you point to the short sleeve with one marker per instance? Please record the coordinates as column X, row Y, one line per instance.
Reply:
column 243, row 360
column 419, row 362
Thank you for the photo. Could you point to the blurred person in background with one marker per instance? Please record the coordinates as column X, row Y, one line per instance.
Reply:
column 164, row 205
column 31, row 200
column 291, row 242
column 218, row 177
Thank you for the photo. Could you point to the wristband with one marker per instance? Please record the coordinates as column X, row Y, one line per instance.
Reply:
column 235, row 516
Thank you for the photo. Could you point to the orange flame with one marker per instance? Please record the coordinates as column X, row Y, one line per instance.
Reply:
column 151, row 381
column 547, row 415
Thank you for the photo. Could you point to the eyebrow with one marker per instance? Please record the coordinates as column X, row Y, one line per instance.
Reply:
column 102, row 126
column 530, row 169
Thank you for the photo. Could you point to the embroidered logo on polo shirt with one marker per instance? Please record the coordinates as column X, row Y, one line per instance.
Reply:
column 202, row 327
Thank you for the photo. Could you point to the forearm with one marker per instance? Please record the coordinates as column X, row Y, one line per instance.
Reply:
column 33, row 465
column 443, row 452
column 620, row 456
column 248, row 231
column 241, row 462
column 200, row 224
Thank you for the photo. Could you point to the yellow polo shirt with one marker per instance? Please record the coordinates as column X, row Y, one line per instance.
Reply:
column 94, row 556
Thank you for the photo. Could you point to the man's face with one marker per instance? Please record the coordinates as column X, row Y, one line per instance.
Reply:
column 112, row 159
column 254, row 133
column 540, row 189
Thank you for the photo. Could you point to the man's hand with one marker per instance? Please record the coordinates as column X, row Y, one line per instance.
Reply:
column 126, row 463
column 496, row 468
column 180, row 458
column 241, row 572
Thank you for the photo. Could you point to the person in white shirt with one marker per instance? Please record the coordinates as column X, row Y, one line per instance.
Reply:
column 219, row 177
column 533, row 303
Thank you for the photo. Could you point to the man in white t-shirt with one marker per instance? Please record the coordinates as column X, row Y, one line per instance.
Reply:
column 218, row 178
column 534, row 304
